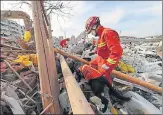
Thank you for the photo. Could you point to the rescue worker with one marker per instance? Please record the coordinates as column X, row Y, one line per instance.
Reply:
column 63, row 43
column 108, row 48
column 109, row 52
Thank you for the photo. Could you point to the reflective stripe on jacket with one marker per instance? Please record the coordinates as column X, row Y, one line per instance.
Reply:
column 108, row 46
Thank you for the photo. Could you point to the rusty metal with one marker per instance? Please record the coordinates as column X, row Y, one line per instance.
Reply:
column 78, row 101
column 46, row 108
column 46, row 74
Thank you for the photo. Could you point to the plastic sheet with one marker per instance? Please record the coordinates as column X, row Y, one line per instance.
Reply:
column 27, row 60
column 126, row 67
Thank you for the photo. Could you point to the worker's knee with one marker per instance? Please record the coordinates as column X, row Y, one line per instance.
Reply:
column 97, row 86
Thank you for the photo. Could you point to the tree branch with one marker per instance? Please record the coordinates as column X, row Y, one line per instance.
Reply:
column 58, row 8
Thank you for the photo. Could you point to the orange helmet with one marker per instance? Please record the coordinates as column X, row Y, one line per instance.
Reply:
column 94, row 20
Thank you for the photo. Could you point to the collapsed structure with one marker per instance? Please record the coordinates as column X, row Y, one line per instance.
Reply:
column 45, row 82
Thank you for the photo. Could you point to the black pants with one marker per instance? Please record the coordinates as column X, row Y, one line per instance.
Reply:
column 97, row 86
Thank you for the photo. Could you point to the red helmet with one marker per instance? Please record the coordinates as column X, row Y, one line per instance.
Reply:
column 94, row 20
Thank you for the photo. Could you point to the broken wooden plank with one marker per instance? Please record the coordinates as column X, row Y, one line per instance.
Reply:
column 22, row 44
column 43, row 74
column 54, row 79
column 44, row 61
column 78, row 101
column 52, row 66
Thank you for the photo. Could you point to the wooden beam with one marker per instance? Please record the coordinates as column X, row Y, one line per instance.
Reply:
column 70, row 56
column 52, row 65
column 79, row 103
column 137, row 81
column 45, row 73
column 54, row 78
column 117, row 73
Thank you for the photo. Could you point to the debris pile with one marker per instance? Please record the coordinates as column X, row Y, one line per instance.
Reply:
column 19, row 80
column 139, row 59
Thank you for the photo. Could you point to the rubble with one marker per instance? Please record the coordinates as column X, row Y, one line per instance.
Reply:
column 14, row 104
column 20, row 83
column 138, row 56
column 147, row 65
column 15, row 93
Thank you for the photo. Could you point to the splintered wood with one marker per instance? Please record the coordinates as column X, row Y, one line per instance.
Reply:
column 45, row 61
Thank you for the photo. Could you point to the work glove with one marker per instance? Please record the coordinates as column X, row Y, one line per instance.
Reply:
column 104, row 66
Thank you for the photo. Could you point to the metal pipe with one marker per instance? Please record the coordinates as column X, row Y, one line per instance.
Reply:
column 79, row 103
column 46, row 108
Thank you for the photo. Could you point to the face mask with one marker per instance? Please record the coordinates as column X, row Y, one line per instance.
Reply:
column 94, row 33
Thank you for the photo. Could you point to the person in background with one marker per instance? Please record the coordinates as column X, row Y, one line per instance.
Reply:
column 63, row 43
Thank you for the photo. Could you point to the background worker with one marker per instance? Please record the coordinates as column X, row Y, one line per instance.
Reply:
column 108, row 48
column 63, row 43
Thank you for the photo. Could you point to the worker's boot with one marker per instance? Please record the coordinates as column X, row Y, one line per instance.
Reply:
column 112, row 90
column 99, row 101
column 117, row 94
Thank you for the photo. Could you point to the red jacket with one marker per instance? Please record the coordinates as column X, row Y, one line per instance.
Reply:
column 108, row 46
column 63, row 42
